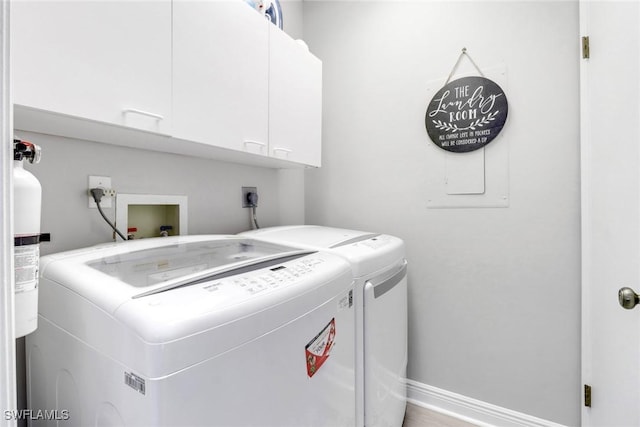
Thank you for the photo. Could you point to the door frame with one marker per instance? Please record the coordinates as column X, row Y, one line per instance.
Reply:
column 585, row 216
column 8, row 398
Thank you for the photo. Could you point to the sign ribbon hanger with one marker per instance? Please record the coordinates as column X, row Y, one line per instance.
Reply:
column 455, row 67
column 467, row 113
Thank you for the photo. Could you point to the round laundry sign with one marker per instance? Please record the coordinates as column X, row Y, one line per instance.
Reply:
column 466, row 114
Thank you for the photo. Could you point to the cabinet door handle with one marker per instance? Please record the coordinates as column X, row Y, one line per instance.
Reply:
column 143, row 113
column 284, row 150
column 258, row 143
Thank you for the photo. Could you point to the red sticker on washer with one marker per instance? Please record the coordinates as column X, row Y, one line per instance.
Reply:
column 318, row 349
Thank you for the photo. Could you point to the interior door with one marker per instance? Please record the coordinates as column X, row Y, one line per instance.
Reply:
column 611, row 210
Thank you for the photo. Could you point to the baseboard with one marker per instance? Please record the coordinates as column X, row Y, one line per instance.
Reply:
column 470, row 410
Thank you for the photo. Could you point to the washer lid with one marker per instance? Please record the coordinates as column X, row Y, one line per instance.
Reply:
column 113, row 274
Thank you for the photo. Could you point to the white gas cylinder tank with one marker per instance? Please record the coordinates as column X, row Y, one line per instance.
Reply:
column 27, row 199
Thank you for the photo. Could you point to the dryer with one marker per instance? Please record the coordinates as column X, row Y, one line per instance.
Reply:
column 193, row 331
column 380, row 270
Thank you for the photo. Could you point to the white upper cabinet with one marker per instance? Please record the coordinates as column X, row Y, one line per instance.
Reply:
column 221, row 74
column 210, row 78
column 295, row 101
column 108, row 61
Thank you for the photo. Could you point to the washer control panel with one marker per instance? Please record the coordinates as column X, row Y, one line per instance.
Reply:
column 275, row 277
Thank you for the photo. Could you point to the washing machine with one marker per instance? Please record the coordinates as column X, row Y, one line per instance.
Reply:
column 380, row 272
column 193, row 331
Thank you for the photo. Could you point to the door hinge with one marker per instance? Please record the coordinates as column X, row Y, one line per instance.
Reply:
column 587, row 395
column 585, row 47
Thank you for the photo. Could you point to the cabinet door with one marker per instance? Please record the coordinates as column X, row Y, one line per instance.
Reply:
column 108, row 61
column 220, row 74
column 295, row 101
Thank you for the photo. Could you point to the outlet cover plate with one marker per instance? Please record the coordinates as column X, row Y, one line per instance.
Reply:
column 245, row 191
column 103, row 182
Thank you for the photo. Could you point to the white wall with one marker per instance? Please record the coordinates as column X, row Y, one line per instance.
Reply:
column 213, row 189
column 494, row 292
column 293, row 18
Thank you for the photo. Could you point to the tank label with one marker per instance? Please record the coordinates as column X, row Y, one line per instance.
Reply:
column 26, row 260
column 318, row 349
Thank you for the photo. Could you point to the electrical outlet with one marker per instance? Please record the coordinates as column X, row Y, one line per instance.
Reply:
column 245, row 192
column 103, row 182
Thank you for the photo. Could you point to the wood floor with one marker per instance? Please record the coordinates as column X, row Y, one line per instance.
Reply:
column 421, row 417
